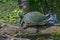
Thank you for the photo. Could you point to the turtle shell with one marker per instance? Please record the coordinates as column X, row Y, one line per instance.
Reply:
column 35, row 18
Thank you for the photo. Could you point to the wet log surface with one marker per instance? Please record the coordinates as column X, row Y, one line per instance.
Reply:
column 13, row 30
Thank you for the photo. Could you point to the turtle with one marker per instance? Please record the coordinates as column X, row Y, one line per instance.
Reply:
column 32, row 19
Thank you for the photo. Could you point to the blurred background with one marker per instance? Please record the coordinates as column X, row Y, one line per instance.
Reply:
column 9, row 9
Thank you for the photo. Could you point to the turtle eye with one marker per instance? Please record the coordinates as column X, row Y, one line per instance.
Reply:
column 20, row 15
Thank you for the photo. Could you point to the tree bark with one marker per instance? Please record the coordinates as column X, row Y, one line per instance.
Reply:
column 24, row 5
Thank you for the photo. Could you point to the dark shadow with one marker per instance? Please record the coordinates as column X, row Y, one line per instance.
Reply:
column 34, row 37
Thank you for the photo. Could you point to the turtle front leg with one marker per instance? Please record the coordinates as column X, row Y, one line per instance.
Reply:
column 21, row 23
column 24, row 25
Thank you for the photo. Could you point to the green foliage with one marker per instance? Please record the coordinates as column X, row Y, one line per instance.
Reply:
column 35, row 5
column 9, row 11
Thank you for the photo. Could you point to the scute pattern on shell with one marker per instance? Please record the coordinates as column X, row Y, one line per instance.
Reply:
column 34, row 17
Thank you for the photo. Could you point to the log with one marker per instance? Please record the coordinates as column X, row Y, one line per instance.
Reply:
column 12, row 30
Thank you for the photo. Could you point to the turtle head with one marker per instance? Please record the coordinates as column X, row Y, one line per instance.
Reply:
column 20, row 15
